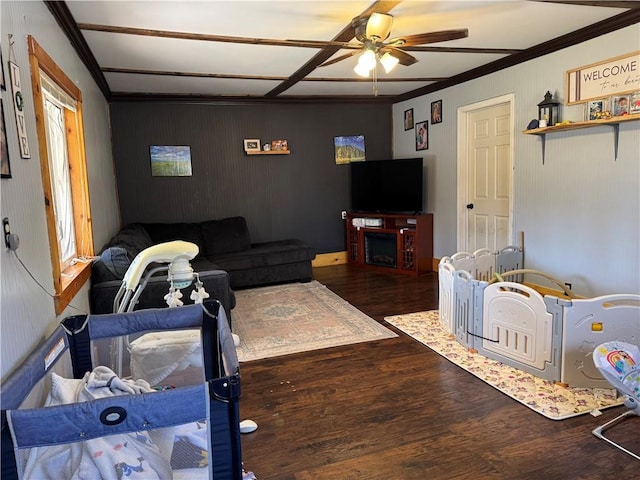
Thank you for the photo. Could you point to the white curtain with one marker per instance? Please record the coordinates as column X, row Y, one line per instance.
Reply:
column 60, row 181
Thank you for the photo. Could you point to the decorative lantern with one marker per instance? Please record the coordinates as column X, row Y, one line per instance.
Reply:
column 548, row 110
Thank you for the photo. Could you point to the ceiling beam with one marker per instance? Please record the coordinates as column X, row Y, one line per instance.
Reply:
column 206, row 37
column 317, row 44
column 170, row 73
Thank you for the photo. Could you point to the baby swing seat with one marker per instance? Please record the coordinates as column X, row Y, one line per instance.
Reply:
column 619, row 364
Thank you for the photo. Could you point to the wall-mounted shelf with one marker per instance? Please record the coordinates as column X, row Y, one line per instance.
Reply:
column 613, row 122
column 269, row 152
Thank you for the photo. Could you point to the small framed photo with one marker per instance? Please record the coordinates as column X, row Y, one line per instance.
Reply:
column 620, row 105
column 634, row 103
column 251, row 145
column 596, row 109
column 408, row 119
column 436, row 112
column 422, row 135
column 279, row 145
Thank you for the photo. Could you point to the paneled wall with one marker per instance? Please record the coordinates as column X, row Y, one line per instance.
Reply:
column 298, row 195
column 27, row 311
column 580, row 211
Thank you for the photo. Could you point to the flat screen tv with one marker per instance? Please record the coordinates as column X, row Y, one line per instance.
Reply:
column 387, row 186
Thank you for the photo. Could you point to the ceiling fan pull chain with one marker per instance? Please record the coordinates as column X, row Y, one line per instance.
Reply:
column 375, row 81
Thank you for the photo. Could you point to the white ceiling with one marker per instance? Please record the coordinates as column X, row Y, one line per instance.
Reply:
column 503, row 24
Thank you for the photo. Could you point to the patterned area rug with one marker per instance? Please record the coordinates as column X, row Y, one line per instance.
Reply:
column 298, row 317
column 544, row 397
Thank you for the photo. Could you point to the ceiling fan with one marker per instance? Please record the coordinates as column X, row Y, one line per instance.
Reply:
column 374, row 30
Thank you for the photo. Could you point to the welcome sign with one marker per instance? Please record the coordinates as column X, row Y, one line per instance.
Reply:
column 612, row 77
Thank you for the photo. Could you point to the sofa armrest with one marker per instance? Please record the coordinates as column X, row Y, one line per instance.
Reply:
column 216, row 283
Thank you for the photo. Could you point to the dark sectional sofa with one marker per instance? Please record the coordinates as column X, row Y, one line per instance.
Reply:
column 227, row 261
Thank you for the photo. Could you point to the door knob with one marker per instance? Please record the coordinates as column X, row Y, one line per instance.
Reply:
column 470, row 206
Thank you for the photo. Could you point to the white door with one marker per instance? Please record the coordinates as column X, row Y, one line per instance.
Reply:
column 485, row 181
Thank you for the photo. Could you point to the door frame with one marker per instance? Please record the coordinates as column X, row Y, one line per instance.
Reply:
column 463, row 163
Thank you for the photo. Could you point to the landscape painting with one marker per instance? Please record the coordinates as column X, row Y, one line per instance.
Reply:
column 349, row 149
column 170, row 161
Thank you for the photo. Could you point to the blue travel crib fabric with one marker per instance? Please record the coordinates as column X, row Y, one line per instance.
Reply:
column 213, row 403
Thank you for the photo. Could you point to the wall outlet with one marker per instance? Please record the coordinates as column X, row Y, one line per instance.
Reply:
column 6, row 230
column 10, row 241
column 343, row 214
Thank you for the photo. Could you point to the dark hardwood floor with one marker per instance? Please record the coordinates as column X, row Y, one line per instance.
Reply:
column 393, row 409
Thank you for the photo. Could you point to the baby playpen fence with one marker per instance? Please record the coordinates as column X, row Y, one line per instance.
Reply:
column 99, row 425
column 547, row 336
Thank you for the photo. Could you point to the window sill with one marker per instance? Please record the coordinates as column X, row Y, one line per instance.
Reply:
column 71, row 281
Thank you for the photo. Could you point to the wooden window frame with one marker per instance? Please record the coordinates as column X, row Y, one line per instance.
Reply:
column 68, row 282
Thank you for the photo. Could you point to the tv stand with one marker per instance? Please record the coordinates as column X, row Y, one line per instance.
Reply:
column 401, row 243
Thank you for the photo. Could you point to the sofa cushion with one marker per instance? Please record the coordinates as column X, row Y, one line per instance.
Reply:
column 133, row 238
column 168, row 232
column 203, row 264
column 227, row 235
column 265, row 254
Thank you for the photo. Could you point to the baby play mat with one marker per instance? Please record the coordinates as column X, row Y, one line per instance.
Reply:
column 546, row 398
column 298, row 317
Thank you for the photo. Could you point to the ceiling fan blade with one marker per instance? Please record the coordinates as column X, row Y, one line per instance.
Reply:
column 403, row 57
column 379, row 26
column 431, row 37
column 340, row 58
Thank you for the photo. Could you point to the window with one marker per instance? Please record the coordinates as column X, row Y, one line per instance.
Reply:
column 58, row 107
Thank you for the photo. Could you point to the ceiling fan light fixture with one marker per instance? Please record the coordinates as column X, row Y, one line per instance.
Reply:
column 367, row 60
column 361, row 70
column 389, row 62
column 379, row 26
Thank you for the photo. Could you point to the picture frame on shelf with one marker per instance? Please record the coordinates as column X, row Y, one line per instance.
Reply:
column 408, row 119
column 436, row 112
column 251, row 145
column 422, row 135
column 634, row 103
column 278, row 145
column 620, row 105
column 595, row 109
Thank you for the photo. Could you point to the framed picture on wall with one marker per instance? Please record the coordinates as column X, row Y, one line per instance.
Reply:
column 5, row 166
column 2, row 84
column 422, row 135
column 349, row 149
column 170, row 160
column 436, row 112
column 408, row 119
